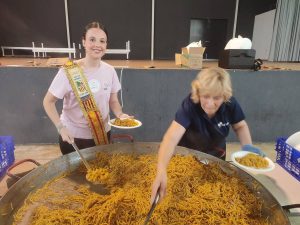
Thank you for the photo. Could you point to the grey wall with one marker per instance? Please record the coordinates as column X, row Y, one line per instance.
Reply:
column 21, row 112
column 270, row 100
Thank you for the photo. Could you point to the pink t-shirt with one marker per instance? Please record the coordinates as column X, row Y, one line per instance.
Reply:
column 102, row 82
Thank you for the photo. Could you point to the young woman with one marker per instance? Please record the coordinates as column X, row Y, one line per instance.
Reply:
column 89, row 89
column 203, row 122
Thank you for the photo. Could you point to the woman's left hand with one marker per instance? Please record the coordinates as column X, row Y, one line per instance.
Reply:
column 251, row 148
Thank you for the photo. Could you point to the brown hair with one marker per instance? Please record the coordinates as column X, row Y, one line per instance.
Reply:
column 214, row 81
column 94, row 25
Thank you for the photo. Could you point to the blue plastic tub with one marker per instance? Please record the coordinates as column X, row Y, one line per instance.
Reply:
column 288, row 158
column 7, row 156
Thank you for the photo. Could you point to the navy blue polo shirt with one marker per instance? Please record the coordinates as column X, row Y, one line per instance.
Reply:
column 207, row 134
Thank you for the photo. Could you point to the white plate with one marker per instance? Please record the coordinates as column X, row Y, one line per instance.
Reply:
column 240, row 154
column 121, row 127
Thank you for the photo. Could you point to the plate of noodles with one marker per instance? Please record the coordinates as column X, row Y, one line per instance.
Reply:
column 252, row 162
column 125, row 123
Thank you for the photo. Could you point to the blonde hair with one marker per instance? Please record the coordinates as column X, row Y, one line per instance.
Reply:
column 213, row 81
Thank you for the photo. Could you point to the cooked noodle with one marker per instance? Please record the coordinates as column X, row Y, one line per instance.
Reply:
column 98, row 175
column 125, row 122
column 253, row 160
column 196, row 194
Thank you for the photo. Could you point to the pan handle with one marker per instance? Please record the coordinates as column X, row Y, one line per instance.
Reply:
column 292, row 206
column 8, row 172
column 121, row 136
column 287, row 209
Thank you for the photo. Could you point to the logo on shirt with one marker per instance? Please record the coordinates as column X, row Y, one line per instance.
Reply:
column 106, row 86
column 94, row 85
column 220, row 124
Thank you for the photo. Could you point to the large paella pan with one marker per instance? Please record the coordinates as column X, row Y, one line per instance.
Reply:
column 12, row 203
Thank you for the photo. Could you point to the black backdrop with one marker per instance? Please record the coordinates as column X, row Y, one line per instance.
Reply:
column 22, row 22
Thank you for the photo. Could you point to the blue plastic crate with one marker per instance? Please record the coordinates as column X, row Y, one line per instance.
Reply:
column 288, row 158
column 7, row 156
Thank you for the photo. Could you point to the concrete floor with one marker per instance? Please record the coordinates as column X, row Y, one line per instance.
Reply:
column 45, row 153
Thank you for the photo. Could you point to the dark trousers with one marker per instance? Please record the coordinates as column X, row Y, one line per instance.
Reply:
column 67, row 148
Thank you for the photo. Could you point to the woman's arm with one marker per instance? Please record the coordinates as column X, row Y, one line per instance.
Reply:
column 168, row 144
column 115, row 106
column 165, row 152
column 50, row 108
column 241, row 130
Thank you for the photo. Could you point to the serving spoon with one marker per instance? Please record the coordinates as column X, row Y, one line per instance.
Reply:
column 95, row 187
column 154, row 203
column 81, row 156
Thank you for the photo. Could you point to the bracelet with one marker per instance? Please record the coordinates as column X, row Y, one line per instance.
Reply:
column 59, row 126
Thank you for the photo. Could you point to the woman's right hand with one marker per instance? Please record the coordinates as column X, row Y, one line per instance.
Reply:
column 159, row 184
column 66, row 136
column 125, row 116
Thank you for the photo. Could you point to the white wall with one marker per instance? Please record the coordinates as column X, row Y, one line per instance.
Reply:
column 262, row 34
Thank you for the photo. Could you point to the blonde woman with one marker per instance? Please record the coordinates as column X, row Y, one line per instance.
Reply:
column 202, row 123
